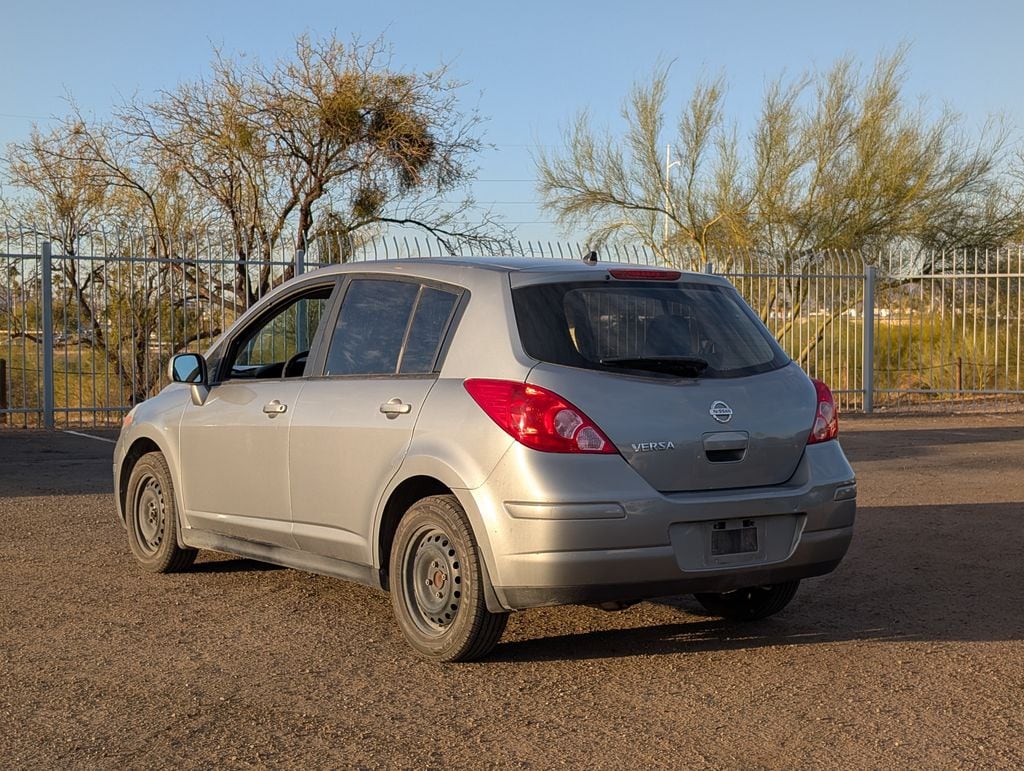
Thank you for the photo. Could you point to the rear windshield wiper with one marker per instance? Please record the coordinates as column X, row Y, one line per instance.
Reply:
column 691, row 366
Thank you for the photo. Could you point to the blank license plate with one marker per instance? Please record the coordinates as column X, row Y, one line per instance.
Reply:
column 739, row 540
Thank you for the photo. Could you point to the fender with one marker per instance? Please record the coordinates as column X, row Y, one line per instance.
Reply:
column 158, row 421
column 435, row 468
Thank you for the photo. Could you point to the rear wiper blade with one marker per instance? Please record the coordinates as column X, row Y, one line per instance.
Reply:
column 677, row 365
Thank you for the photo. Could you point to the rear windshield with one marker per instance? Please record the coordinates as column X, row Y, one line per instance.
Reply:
column 668, row 330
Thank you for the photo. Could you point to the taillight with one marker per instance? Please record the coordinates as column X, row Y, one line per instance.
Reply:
column 538, row 418
column 645, row 274
column 826, row 419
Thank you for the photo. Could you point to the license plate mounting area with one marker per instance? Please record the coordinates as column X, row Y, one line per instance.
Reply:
column 732, row 537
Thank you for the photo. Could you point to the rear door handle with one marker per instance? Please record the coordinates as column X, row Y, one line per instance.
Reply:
column 395, row 407
column 274, row 408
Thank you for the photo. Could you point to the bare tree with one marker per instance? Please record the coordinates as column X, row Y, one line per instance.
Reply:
column 69, row 200
column 331, row 134
column 84, row 177
column 330, row 142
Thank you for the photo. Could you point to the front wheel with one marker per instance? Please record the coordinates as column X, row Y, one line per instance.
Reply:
column 751, row 603
column 436, row 578
column 152, row 517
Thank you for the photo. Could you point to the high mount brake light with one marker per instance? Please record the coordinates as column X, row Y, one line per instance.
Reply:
column 826, row 417
column 645, row 274
column 538, row 418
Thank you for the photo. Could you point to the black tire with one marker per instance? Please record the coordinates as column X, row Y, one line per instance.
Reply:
column 751, row 603
column 436, row 583
column 152, row 517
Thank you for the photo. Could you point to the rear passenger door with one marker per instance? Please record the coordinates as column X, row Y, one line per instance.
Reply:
column 353, row 424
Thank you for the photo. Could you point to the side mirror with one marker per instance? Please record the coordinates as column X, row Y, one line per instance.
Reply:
column 188, row 368
column 191, row 368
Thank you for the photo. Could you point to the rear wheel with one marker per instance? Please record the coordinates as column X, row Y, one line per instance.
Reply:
column 751, row 603
column 152, row 517
column 436, row 578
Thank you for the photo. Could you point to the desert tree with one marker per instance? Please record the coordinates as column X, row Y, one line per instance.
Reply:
column 838, row 160
column 329, row 143
column 68, row 204
column 378, row 145
column 331, row 140
column 620, row 188
column 69, row 200
column 87, row 179
column 835, row 160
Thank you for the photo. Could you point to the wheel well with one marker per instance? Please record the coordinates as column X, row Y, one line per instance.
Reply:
column 139, row 448
column 404, row 496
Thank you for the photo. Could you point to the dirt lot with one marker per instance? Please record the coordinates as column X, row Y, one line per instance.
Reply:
column 910, row 655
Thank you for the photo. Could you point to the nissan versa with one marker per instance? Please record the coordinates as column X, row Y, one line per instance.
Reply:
column 478, row 436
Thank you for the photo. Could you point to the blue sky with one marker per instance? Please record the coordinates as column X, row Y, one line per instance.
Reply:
column 530, row 65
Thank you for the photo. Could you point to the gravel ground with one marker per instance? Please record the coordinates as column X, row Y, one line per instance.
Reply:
column 909, row 655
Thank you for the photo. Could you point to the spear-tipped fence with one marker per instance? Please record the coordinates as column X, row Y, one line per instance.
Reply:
column 86, row 332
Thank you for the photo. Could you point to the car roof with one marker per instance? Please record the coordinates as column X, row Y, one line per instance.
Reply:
column 442, row 268
column 503, row 264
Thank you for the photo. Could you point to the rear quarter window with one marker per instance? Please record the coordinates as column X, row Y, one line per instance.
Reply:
column 426, row 333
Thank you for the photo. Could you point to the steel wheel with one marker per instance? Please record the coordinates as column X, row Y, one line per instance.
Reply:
column 149, row 515
column 152, row 517
column 437, row 586
column 434, row 580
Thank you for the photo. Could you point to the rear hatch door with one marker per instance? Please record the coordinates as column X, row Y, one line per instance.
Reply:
column 680, row 374
column 695, row 434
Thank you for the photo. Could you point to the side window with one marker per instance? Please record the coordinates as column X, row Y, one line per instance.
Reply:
column 433, row 312
column 371, row 327
column 388, row 327
column 277, row 346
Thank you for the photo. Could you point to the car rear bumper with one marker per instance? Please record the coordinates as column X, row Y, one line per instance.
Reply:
column 564, row 579
column 638, row 544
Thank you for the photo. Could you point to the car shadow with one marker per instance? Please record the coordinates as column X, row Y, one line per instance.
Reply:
column 697, row 636
column 898, row 442
column 232, row 565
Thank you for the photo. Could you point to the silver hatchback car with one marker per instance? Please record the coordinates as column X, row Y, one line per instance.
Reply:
column 478, row 436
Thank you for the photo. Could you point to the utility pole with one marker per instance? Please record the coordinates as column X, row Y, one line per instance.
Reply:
column 669, row 163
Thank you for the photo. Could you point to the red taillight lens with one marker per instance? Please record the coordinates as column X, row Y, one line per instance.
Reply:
column 645, row 274
column 538, row 418
column 826, row 419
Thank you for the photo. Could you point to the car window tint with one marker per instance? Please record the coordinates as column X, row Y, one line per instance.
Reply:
column 263, row 350
column 371, row 327
column 429, row 323
column 590, row 325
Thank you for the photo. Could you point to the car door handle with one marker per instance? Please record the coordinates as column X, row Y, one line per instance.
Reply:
column 274, row 408
column 395, row 407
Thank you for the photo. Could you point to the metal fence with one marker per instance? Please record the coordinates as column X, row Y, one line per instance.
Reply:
column 85, row 335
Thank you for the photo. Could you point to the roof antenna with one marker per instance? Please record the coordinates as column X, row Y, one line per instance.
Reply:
column 590, row 258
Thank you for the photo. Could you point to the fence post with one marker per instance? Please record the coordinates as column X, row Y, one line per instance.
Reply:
column 3, row 390
column 709, row 267
column 868, row 371
column 47, row 321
